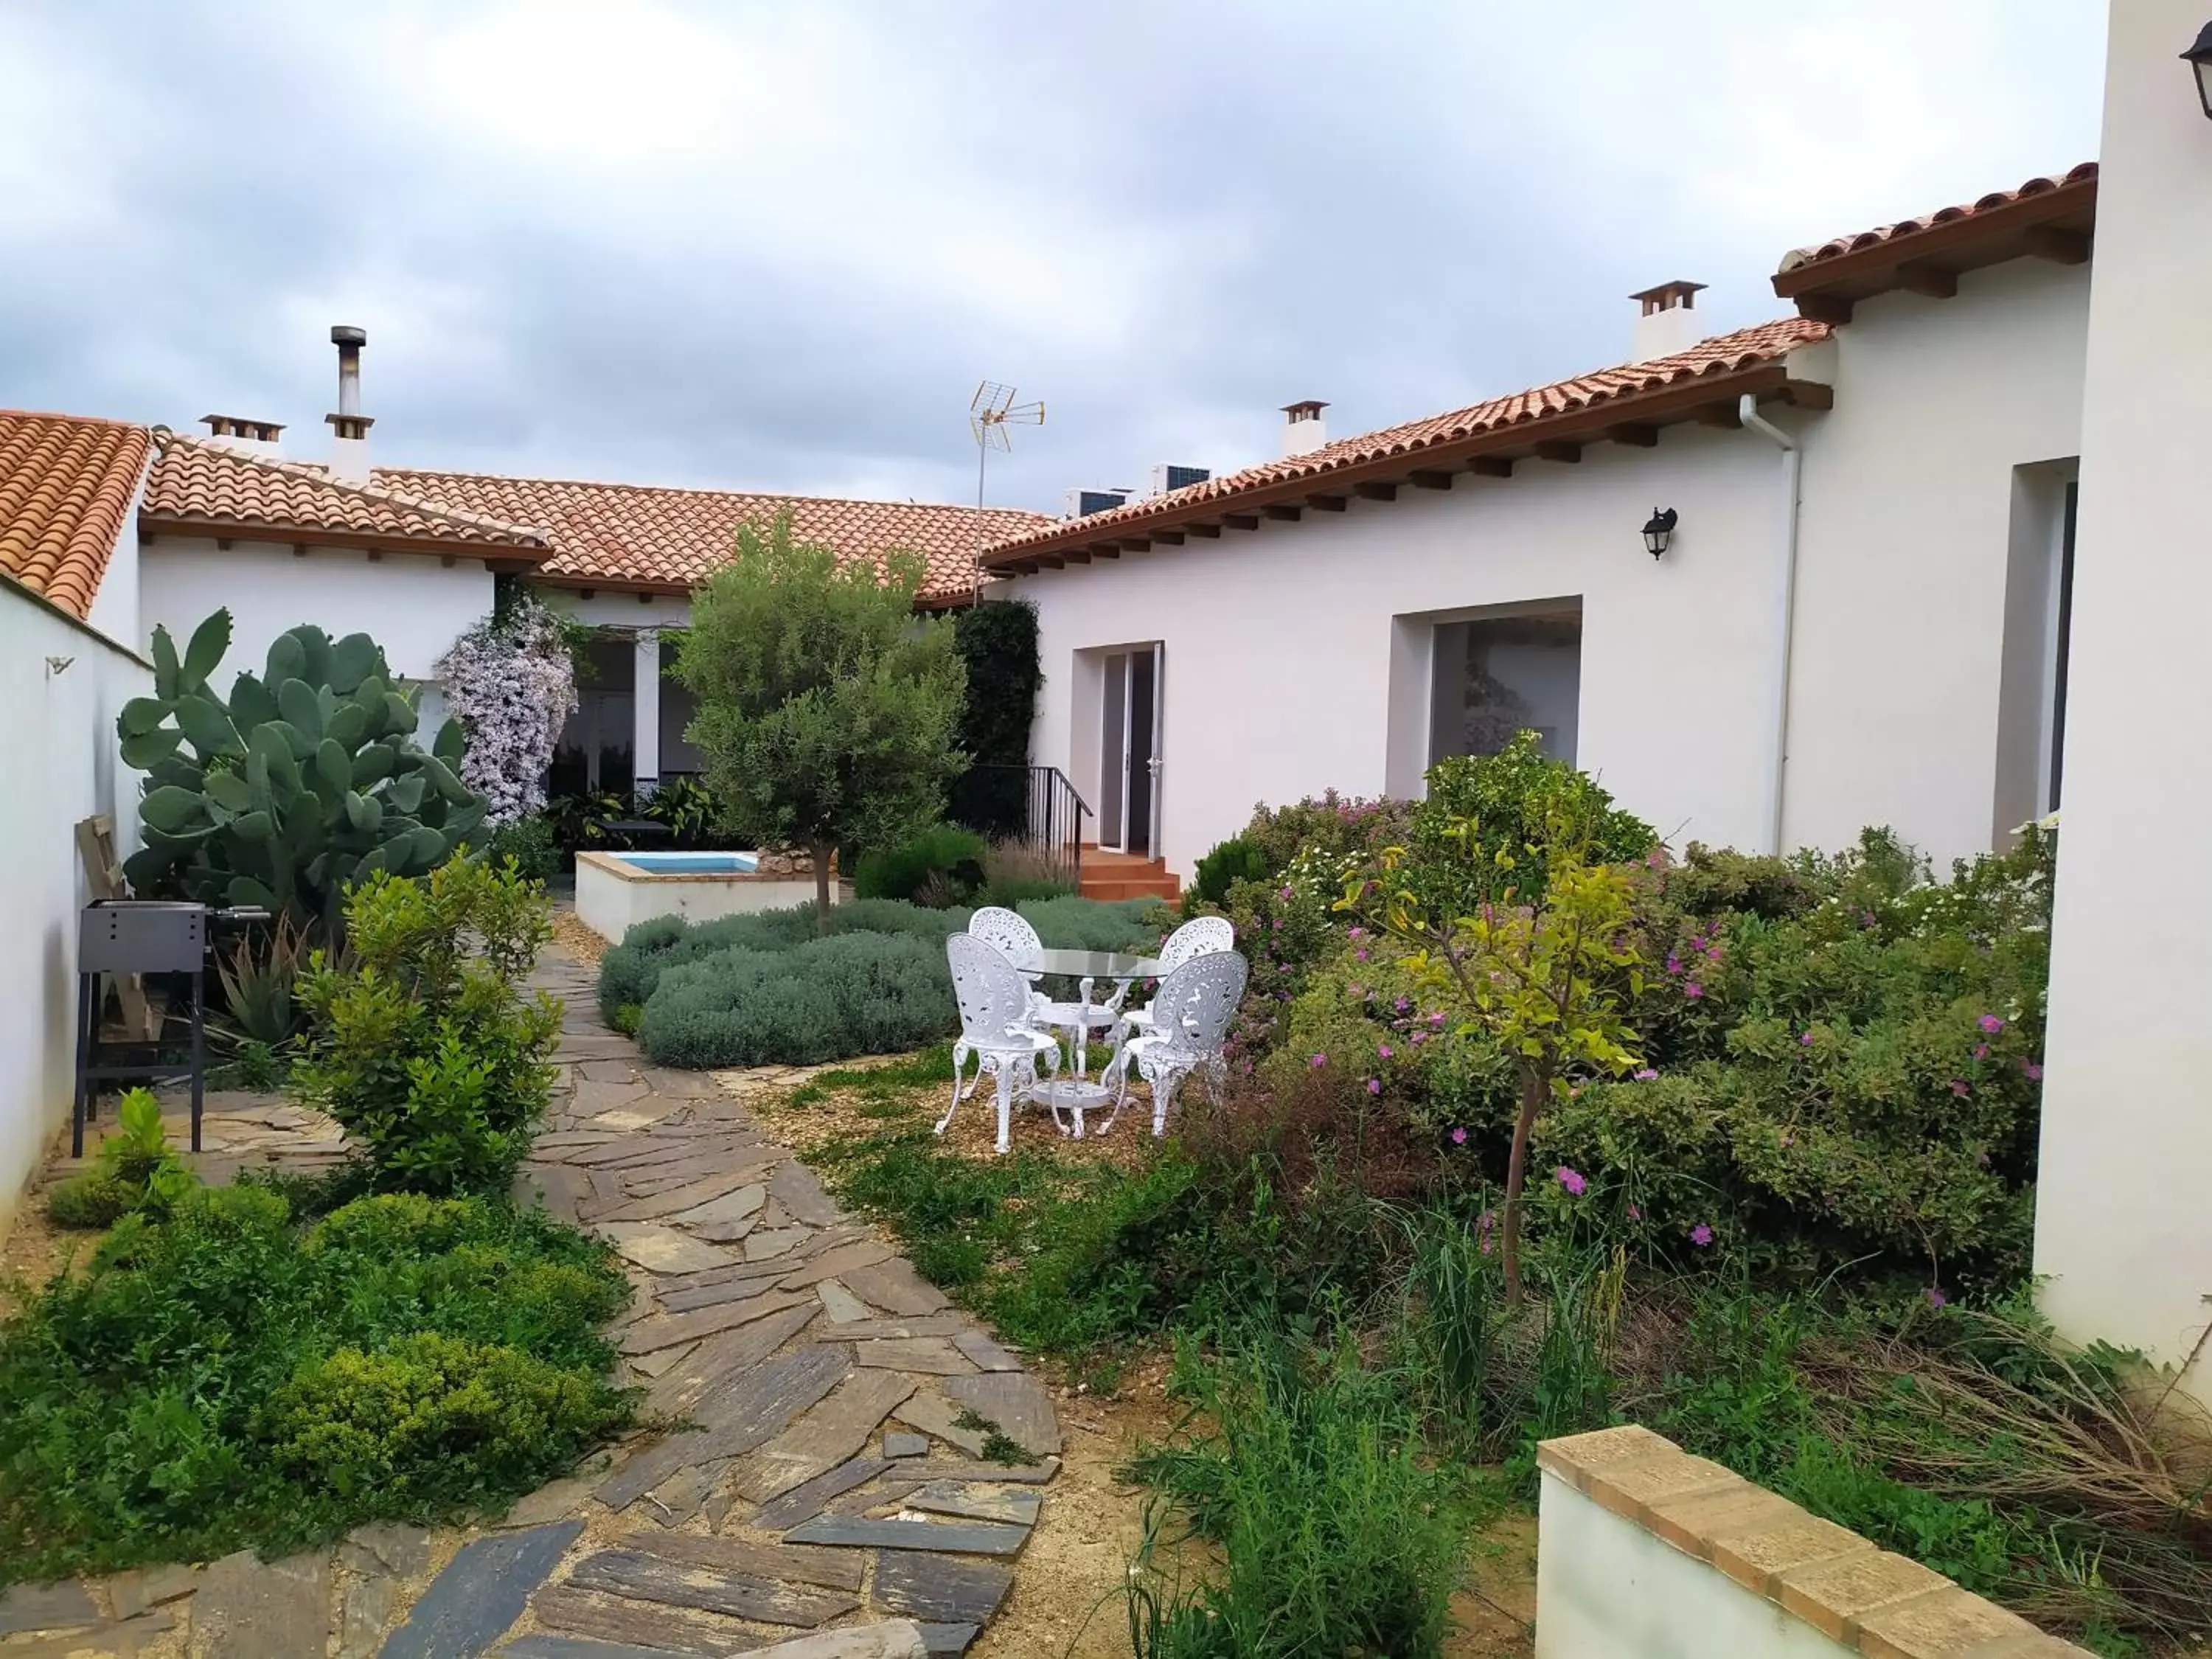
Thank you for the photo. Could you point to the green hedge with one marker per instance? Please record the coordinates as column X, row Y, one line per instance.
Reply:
column 766, row 989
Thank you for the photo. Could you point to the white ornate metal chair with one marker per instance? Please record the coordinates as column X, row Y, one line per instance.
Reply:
column 1199, row 937
column 1190, row 1024
column 996, row 1027
column 1014, row 936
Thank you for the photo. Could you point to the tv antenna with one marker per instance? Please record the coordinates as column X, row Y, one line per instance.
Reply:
column 990, row 412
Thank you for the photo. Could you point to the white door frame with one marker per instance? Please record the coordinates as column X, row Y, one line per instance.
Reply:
column 1116, row 757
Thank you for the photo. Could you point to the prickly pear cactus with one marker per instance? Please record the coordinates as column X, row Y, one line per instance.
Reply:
column 305, row 780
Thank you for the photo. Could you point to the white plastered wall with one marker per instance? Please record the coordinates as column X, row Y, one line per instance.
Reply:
column 414, row 606
column 2124, row 1211
column 64, row 684
column 1904, row 548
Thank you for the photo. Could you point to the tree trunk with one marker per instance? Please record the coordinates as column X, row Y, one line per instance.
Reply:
column 1535, row 1088
column 822, row 853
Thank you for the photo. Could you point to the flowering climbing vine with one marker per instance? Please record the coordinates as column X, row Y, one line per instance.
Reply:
column 511, row 682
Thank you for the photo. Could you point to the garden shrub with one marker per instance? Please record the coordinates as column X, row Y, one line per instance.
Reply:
column 433, row 1418
column 1853, row 1077
column 943, row 855
column 1237, row 859
column 422, row 1045
column 630, row 972
column 1082, row 923
column 136, row 1169
column 761, row 989
column 829, row 998
column 220, row 1379
column 998, row 641
column 531, row 843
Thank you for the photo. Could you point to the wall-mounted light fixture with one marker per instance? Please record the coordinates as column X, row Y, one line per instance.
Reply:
column 2199, row 59
column 1659, row 531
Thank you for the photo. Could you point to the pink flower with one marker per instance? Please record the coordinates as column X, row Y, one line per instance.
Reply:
column 1789, row 1139
column 1459, row 1137
column 1961, row 1087
column 1647, row 1075
column 1374, row 1086
column 1991, row 1024
column 1805, row 1039
column 1701, row 1235
column 1635, row 1213
column 1693, row 990
column 1360, row 955
column 1356, row 933
column 1572, row 1181
column 1420, row 1037
column 1696, row 941
column 1383, row 1049
column 1437, row 1017
column 2034, row 1072
column 1674, row 964
column 1981, row 1051
column 1936, row 1296
column 1318, row 1060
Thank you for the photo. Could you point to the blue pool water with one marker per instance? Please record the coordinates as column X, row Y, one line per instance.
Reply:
column 704, row 864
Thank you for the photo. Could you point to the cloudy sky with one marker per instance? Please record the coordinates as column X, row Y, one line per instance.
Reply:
column 775, row 246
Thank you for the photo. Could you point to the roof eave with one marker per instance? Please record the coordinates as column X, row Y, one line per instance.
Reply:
column 501, row 556
column 1080, row 541
column 2055, row 224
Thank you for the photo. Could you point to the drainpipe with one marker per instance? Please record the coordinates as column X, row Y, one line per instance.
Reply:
column 1778, row 754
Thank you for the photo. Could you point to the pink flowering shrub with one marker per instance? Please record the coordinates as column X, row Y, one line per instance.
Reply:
column 1857, row 1079
column 511, row 682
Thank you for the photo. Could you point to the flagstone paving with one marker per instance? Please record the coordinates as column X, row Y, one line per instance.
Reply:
column 828, row 1498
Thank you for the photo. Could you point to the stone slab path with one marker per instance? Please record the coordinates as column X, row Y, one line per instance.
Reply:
column 827, row 1495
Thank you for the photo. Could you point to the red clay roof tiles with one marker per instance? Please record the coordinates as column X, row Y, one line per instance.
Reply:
column 1768, row 342
column 197, row 482
column 642, row 535
column 1837, row 247
column 66, row 485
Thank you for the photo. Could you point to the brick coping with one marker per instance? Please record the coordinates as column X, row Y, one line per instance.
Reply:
column 1877, row 1604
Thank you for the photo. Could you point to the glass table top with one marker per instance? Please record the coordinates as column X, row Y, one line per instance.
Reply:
column 1086, row 964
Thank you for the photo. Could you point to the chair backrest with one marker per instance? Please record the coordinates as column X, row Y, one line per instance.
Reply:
column 1196, row 1001
column 995, row 925
column 993, row 998
column 1199, row 938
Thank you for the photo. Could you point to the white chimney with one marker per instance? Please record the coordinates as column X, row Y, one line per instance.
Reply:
column 350, row 426
column 247, row 437
column 1303, row 429
column 1669, row 323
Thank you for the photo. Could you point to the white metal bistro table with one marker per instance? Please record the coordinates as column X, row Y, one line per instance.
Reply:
column 1076, row 1093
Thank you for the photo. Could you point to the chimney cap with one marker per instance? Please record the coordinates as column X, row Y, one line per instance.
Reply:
column 345, row 334
column 225, row 426
column 1667, row 295
column 1306, row 409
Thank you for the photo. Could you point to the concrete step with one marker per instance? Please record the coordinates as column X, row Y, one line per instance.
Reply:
column 1127, row 887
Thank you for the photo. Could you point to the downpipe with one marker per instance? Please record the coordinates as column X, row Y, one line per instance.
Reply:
column 1777, row 756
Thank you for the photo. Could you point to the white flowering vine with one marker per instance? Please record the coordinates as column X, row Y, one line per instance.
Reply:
column 512, row 683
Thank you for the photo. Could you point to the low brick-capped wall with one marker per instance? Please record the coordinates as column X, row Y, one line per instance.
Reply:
column 1645, row 1551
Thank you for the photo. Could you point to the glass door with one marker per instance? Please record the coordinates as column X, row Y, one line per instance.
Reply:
column 1130, row 751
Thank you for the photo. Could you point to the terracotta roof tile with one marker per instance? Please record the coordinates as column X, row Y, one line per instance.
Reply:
column 1837, row 247
column 66, row 485
column 1768, row 342
column 197, row 482
column 643, row 535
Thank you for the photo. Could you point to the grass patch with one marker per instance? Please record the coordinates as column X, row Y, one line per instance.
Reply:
column 1309, row 1474
column 227, row 1378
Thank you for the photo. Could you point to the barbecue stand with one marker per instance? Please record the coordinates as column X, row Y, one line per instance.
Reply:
column 141, row 936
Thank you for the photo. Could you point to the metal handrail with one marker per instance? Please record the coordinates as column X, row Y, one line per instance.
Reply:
column 1052, row 814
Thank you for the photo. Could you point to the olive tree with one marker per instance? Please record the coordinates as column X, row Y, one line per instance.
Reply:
column 827, row 708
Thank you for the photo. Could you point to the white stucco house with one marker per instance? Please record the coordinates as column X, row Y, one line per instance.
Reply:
column 1859, row 616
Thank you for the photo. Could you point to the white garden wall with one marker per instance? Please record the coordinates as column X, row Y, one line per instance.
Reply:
column 1645, row 1553
column 2123, row 1209
column 63, row 684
